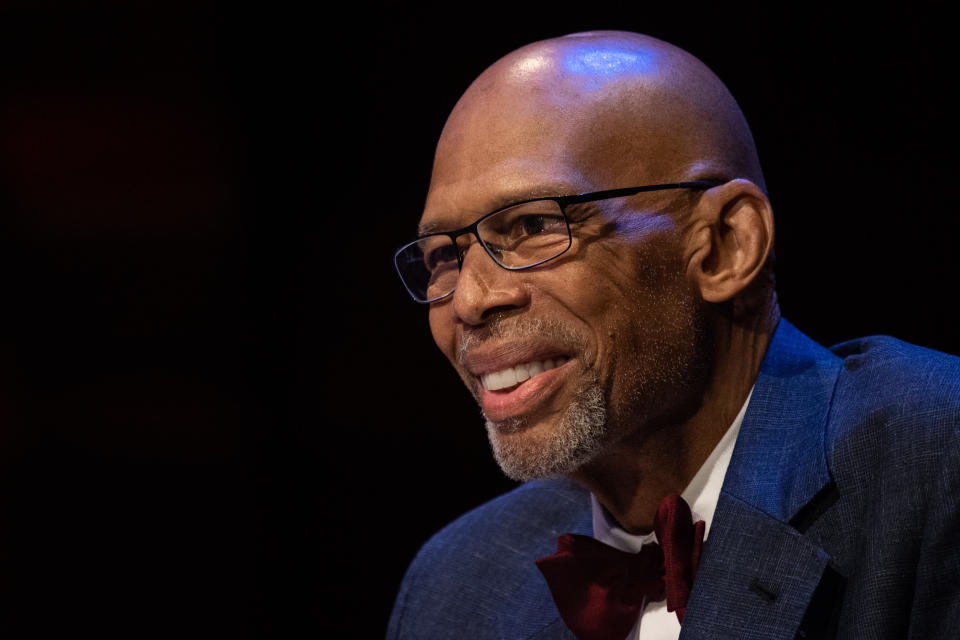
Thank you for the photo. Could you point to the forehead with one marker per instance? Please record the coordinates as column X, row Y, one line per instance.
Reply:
column 502, row 145
column 459, row 200
column 496, row 153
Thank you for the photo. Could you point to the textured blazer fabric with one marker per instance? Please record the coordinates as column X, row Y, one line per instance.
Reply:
column 838, row 516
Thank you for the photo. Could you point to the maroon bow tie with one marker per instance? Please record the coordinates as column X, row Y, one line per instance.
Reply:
column 600, row 590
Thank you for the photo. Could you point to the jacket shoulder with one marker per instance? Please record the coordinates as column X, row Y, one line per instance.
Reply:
column 895, row 400
column 896, row 381
column 895, row 413
column 893, row 449
column 888, row 354
column 513, row 523
column 459, row 580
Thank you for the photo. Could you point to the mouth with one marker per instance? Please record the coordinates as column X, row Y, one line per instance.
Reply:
column 522, row 389
column 505, row 379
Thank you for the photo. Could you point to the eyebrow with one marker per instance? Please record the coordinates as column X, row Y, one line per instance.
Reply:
column 428, row 228
column 501, row 201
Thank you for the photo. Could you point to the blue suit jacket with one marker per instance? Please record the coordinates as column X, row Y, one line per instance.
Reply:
column 839, row 515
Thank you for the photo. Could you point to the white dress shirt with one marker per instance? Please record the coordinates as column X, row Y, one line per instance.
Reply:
column 655, row 622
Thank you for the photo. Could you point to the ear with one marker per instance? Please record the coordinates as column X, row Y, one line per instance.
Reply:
column 728, row 237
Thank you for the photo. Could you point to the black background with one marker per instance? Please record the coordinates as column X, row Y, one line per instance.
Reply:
column 220, row 416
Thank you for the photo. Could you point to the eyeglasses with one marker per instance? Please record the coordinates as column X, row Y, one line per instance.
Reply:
column 518, row 236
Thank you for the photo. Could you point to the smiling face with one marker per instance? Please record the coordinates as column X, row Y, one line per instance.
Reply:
column 566, row 358
column 607, row 341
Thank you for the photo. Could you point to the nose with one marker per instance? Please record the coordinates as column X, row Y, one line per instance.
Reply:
column 485, row 288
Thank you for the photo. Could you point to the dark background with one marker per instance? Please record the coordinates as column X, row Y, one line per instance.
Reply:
column 220, row 414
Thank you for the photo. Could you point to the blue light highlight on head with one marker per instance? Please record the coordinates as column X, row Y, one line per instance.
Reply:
column 606, row 62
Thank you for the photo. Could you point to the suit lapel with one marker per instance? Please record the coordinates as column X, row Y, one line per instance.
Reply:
column 757, row 577
column 758, row 573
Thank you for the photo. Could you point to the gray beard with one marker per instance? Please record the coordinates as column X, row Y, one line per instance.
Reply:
column 578, row 437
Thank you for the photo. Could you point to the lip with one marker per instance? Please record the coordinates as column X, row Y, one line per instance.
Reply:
column 524, row 398
column 497, row 357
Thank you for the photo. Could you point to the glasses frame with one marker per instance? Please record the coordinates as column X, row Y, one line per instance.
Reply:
column 563, row 202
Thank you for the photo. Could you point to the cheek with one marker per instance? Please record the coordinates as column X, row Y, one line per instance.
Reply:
column 442, row 329
column 634, row 296
column 623, row 277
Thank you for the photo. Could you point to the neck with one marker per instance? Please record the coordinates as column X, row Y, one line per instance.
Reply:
column 630, row 478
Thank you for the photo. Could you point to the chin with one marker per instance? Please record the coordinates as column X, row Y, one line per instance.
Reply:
column 527, row 451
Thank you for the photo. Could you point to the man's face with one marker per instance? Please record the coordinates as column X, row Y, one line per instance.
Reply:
column 602, row 343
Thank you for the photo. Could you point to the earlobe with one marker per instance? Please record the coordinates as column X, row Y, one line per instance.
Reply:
column 729, row 238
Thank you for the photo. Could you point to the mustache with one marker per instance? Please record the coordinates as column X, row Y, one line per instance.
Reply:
column 518, row 328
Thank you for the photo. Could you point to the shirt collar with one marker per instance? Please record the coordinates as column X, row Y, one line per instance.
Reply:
column 701, row 494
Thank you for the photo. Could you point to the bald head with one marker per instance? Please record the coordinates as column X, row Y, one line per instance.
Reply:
column 622, row 109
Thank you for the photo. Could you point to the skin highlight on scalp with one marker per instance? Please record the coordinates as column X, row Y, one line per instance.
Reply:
column 635, row 108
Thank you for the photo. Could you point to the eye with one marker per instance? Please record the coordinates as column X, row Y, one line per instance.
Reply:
column 440, row 256
column 531, row 225
column 535, row 224
column 531, row 228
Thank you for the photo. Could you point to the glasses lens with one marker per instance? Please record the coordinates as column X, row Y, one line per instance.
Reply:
column 521, row 236
column 526, row 234
column 428, row 267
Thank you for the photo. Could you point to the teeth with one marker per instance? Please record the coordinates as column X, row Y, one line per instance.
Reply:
column 514, row 375
column 523, row 372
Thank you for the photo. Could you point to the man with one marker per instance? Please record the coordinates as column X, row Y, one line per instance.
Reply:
column 596, row 251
